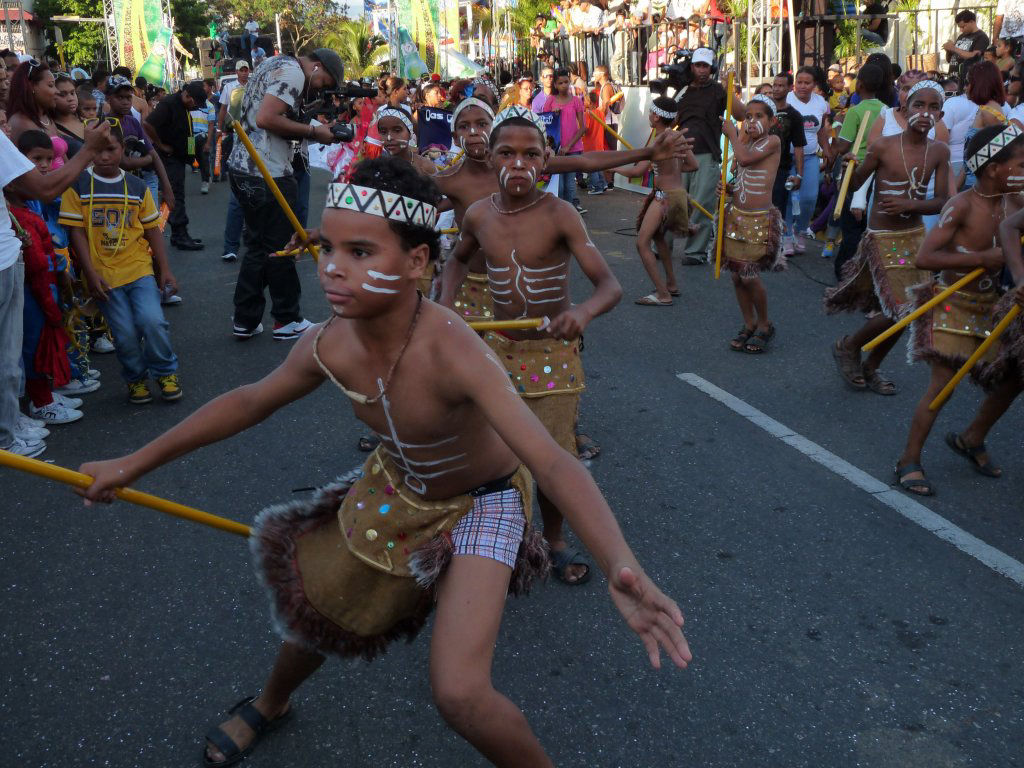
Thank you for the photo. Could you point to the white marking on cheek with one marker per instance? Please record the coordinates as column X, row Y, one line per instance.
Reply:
column 533, row 176
column 376, row 289
column 503, row 176
column 759, row 128
column 330, row 268
column 381, row 276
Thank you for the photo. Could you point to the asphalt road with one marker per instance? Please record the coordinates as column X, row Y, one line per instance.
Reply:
column 828, row 630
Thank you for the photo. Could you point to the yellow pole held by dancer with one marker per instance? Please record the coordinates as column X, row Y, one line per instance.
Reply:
column 848, row 173
column 947, row 390
column 932, row 302
column 610, row 130
column 299, row 229
column 725, row 172
column 525, row 324
column 450, row 231
column 78, row 480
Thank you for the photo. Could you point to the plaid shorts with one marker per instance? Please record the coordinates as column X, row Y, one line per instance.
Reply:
column 493, row 528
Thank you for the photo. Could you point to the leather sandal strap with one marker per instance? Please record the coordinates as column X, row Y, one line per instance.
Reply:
column 222, row 742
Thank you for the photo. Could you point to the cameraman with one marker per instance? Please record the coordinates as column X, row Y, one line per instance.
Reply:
column 701, row 108
column 271, row 108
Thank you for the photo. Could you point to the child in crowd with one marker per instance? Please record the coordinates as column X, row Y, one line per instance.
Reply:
column 593, row 141
column 44, row 344
column 570, row 110
column 665, row 210
column 112, row 220
column 88, row 108
column 752, row 241
column 963, row 239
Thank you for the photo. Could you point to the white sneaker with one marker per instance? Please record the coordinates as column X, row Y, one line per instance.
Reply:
column 230, row 256
column 92, row 373
column 32, row 434
column 204, row 188
column 291, row 330
column 56, row 413
column 26, row 449
column 67, row 402
column 242, row 333
column 24, row 422
column 102, row 345
column 787, row 245
column 168, row 299
column 799, row 246
column 78, row 387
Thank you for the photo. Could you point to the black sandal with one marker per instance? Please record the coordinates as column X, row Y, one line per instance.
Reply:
column 909, row 484
column 758, row 343
column 738, row 342
column 252, row 717
column 569, row 556
column 971, row 453
column 586, row 448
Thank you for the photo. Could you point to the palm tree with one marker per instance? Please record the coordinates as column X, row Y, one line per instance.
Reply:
column 362, row 52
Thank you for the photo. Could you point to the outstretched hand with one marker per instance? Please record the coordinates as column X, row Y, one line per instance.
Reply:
column 107, row 478
column 650, row 614
column 669, row 144
column 297, row 245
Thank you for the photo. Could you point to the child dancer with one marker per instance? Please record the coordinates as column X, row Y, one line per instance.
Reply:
column 115, row 237
column 441, row 501
column 528, row 239
column 878, row 277
column 753, row 226
column 665, row 210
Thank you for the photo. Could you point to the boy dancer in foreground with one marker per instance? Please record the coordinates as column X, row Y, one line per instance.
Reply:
column 878, row 277
column 451, row 428
column 529, row 239
column 963, row 240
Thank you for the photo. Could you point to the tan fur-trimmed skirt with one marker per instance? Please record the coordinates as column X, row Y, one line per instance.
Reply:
column 879, row 277
column 473, row 301
column 675, row 210
column 953, row 330
column 1008, row 363
column 752, row 241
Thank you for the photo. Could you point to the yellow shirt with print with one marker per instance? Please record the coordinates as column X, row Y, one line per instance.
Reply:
column 115, row 214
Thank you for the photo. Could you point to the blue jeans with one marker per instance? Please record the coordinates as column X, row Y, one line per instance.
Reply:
column 596, row 181
column 567, row 183
column 153, row 182
column 303, row 179
column 808, row 195
column 233, row 226
column 140, row 330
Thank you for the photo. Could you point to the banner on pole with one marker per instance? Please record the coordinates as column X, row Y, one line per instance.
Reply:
column 419, row 18
column 144, row 40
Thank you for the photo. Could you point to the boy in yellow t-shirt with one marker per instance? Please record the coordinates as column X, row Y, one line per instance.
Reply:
column 112, row 222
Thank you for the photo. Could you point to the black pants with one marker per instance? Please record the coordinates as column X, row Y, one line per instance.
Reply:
column 179, row 216
column 266, row 230
column 853, row 231
column 780, row 195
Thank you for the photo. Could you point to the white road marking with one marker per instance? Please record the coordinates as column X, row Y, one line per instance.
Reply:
column 998, row 561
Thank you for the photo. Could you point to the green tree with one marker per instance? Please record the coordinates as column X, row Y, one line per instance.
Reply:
column 85, row 44
column 191, row 20
column 363, row 53
column 303, row 22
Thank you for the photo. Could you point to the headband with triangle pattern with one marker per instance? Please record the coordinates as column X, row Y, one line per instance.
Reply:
column 514, row 111
column 999, row 142
column 398, row 113
column 377, row 202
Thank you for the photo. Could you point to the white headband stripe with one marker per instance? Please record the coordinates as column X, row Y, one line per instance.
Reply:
column 523, row 113
column 926, row 84
column 377, row 202
column 999, row 142
column 466, row 104
column 767, row 101
column 396, row 113
column 664, row 113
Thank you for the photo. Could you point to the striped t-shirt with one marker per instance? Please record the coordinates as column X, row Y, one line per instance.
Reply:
column 115, row 214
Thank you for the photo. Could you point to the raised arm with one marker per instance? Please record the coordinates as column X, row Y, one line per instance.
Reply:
column 756, row 151
column 222, row 417
column 937, row 251
column 667, row 144
column 48, row 187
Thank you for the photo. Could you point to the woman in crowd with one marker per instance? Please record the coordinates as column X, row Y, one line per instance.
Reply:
column 985, row 89
column 395, row 90
column 70, row 125
column 30, row 104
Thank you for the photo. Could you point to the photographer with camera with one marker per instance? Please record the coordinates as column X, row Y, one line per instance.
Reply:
column 272, row 116
column 702, row 103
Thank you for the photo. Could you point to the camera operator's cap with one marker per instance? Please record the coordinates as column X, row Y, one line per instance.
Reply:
column 703, row 56
column 242, row 64
column 332, row 63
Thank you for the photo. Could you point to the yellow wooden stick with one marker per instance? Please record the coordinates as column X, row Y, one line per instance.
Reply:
column 450, row 231
column 526, row 323
column 932, row 302
column 299, row 229
column 725, row 171
column 947, row 390
column 610, row 130
column 848, row 174
column 77, row 479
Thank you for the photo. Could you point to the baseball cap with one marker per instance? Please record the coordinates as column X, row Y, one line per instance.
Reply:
column 117, row 82
column 703, row 56
column 242, row 64
column 835, row 68
column 332, row 63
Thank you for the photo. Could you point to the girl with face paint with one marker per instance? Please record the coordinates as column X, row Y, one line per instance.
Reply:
column 752, row 239
column 963, row 240
column 394, row 125
column 882, row 272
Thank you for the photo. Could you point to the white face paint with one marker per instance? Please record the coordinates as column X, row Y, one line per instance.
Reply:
column 758, row 128
column 1015, row 182
column 921, row 117
column 381, row 276
column 331, row 267
column 377, row 289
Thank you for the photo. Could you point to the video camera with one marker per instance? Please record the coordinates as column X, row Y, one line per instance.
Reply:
column 678, row 74
column 334, row 103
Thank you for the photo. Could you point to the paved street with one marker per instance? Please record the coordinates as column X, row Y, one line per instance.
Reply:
column 828, row 628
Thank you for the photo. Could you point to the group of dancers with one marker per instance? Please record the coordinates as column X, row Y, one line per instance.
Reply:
column 438, row 517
